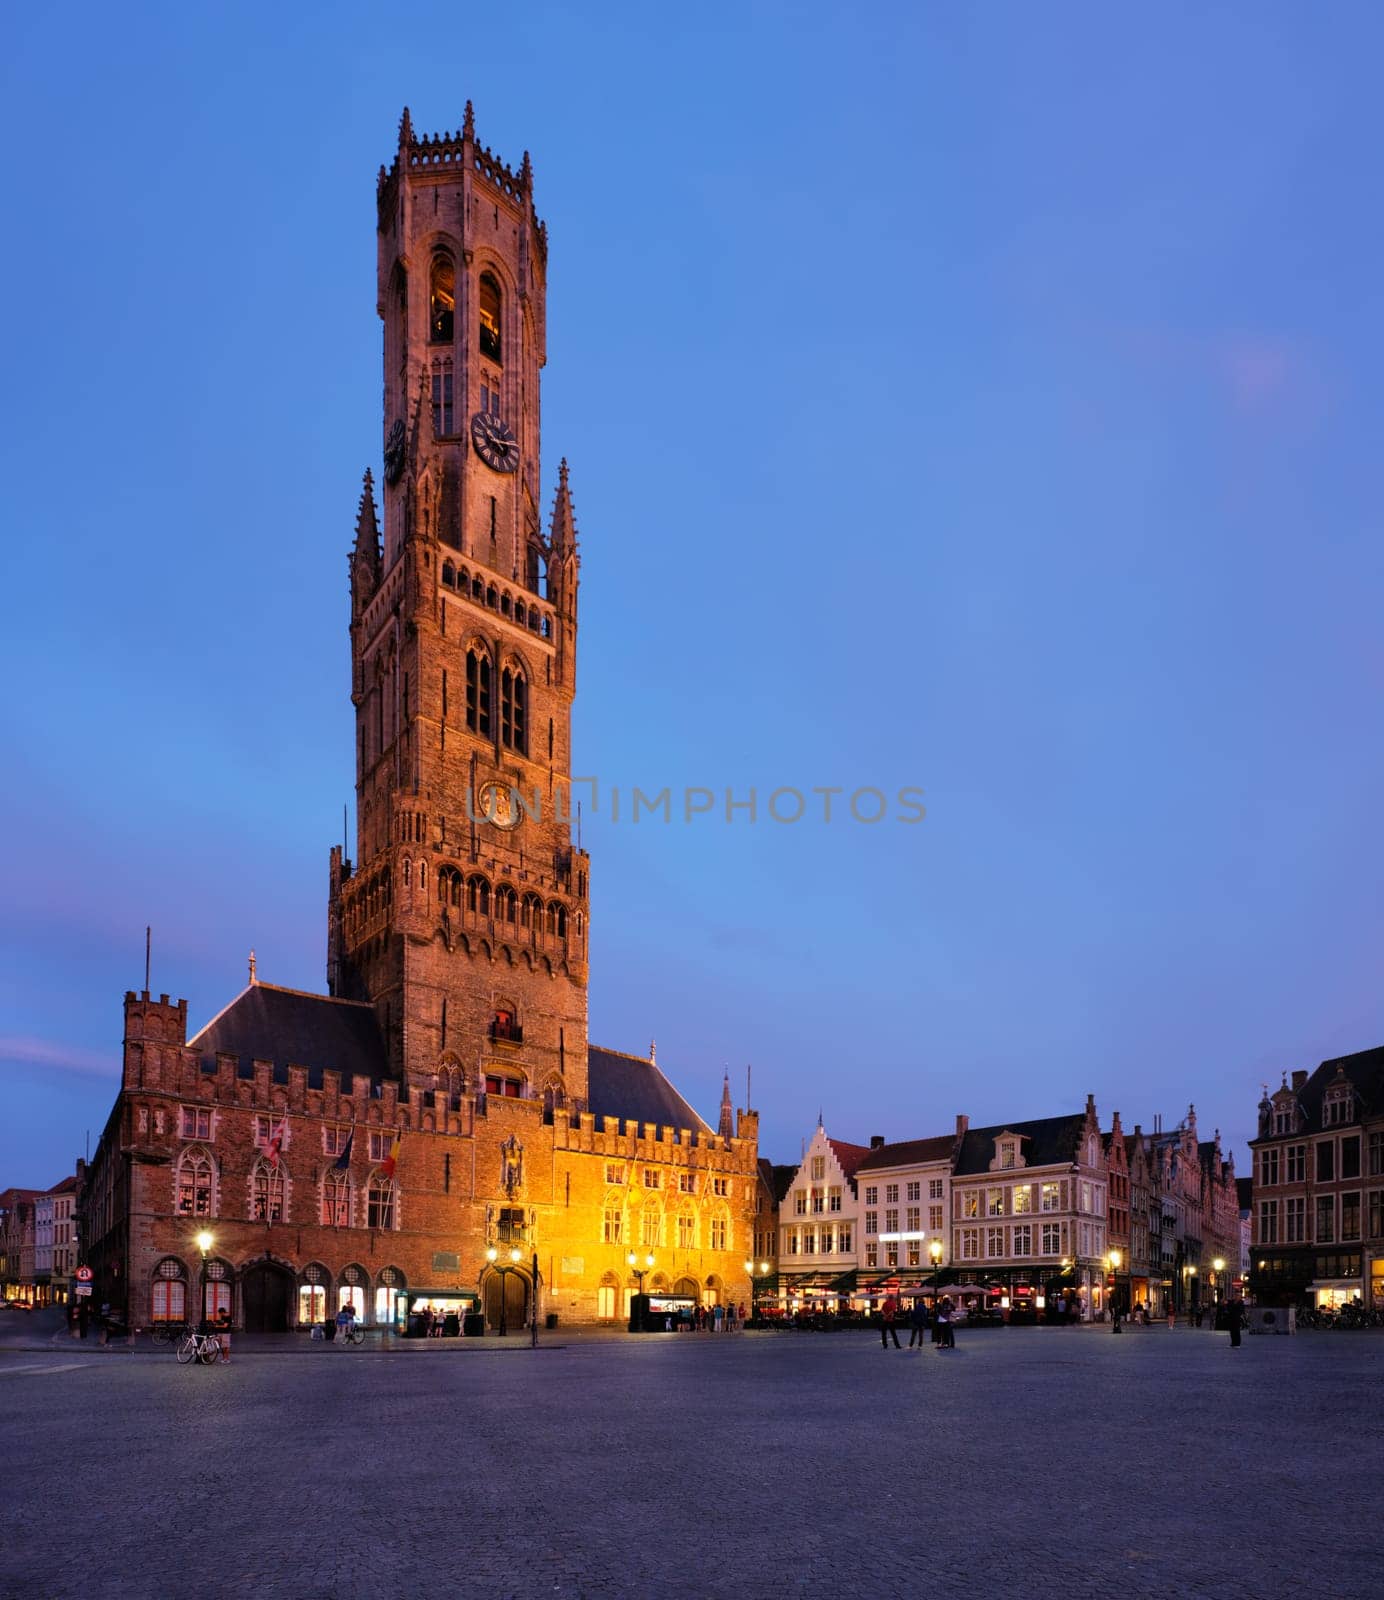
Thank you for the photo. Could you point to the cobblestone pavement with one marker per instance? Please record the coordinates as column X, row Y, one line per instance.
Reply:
column 1049, row 1461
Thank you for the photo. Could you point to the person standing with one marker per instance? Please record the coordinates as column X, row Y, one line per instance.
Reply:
column 223, row 1333
column 1172, row 1316
column 1235, row 1320
column 718, row 1318
column 946, row 1339
column 887, row 1314
column 917, row 1323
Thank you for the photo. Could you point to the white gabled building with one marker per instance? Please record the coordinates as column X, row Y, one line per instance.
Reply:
column 905, row 1200
column 819, row 1221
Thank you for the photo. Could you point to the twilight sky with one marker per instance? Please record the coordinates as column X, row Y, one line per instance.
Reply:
column 981, row 399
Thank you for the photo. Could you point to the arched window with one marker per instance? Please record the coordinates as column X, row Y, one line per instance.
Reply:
column 489, row 318
column 557, row 920
column 536, row 569
column 336, row 1200
column 505, row 903
column 391, row 1298
column 442, row 397
column 380, row 1201
column 532, row 913
column 478, row 691
column 478, row 896
column 192, row 1192
column 442, row 300
column 170, row 1291
column 312, row 1295
column 267, row 1185
column 687, row 1230
column 351, row 1290
column 449, row 574
column 613, row 1228
column 216, row 1292
column 514, row 711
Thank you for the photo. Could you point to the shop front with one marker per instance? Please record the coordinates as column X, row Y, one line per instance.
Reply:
column 662, row 1313
column 433, row 1313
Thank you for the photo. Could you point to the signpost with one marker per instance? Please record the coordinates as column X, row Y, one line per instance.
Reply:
column 83, row 1288
column 83, row 1274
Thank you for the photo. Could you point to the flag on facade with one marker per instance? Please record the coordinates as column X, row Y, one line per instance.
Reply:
column 388, row 1164
column 276, row 1143
column 343, row 1161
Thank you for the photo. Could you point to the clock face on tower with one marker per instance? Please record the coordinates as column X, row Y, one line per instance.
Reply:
column 494, row 443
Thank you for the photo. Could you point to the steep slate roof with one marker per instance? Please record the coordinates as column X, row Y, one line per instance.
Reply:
column 1365, row 1070
column 65, row 1186
column 633, row 1089
column 909, row 1153
column 1049, row 1141
column 267, row 1023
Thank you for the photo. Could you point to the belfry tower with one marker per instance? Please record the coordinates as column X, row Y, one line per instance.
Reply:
column 464, row 917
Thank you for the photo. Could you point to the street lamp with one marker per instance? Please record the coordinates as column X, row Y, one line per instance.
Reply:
column 763, row 1272
column 633, row 1261
column 1219, row 1267
column 204, row 1244
column 1113, row 1259
column 492, row 1255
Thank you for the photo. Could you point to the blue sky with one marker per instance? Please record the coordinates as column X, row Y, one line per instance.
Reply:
column 983, row 399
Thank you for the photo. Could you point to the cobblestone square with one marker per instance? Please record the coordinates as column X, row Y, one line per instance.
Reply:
column 1059, row 1461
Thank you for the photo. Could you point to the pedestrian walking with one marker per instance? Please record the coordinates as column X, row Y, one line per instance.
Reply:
column 223, row 1333
column 888, row 1312
column 1235, row 1320
column 917, row 1324
column 1172, row 1316
column 946, row 1338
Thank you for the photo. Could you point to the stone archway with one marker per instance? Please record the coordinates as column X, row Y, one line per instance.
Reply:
column 266, row 1290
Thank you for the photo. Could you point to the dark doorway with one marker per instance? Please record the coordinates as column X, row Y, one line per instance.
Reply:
column 265, row 1291
column 506, row 1302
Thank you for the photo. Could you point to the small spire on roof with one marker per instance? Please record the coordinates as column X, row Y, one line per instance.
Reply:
column 468, row 125
column 253, row 979
column 653, row 1052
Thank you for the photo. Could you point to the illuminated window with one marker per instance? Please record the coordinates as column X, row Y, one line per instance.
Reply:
column 1050, row 1199
column 489, row 318
column 614, row 1225
column 351, row 1291
column 1007, row 1153
column 994, row 1202
column 651, row 1228
column 970, row 1203
column 170, row 1291
column 442, row 300
column 687, row 1231
column 605, row 1302
column 1022, row 1201
column 312, row 1295
column 720, row 1234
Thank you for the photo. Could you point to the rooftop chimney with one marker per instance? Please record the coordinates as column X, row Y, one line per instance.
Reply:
column 876, row 1140
column 962, row 1123
column 1299, row 1078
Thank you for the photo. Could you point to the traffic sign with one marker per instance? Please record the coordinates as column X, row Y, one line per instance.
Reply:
column 83, row 1288
column 83, row 1274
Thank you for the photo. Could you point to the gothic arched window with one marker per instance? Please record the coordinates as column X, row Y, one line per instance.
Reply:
column 442, row 300
column 380, row 1201
column 478, row 896
column 267, row 1184
column 505, row 903
column 514, row 710
column 336, row 1200
column 478, row 692
column 192, row 1195
column 488, row 317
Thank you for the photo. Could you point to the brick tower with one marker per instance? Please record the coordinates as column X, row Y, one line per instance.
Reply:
column 464, row 917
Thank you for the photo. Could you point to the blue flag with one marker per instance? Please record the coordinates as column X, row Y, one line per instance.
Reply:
column 344, row 1159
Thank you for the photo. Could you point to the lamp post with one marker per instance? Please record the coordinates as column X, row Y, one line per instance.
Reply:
column 1217, row 1290
column 763, row 1272
column 492, row 1255
column 204, row 1244
column 632, row 1259
column 1114, row 1262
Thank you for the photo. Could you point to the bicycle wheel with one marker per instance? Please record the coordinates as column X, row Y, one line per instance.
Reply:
column 210, row 1352
column 188, row 1350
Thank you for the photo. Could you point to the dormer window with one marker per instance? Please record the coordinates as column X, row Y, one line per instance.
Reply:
column 488, row 316
column 1283, row 1119
column 1007, row 1153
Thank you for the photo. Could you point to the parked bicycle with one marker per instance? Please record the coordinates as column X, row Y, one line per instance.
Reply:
column 203, row 1347
column 168, row 1332
column 353, row 1333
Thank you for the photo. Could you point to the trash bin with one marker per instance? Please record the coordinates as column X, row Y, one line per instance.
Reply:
column 550, row 1321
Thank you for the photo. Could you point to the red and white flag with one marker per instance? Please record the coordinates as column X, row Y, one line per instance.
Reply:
column 276, row 1142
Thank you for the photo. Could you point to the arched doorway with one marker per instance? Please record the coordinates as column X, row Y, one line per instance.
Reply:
column 687, row 1286
column 265, row 1291
column 506, row 1301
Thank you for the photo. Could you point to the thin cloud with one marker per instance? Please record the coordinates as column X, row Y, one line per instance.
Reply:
column 20, row 1051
